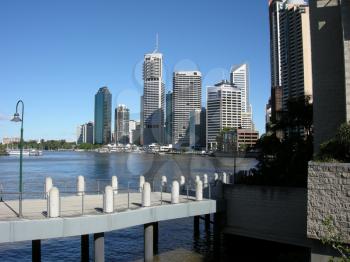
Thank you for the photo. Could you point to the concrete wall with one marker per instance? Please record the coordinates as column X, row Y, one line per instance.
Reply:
column 270, row 213
column 328, row 196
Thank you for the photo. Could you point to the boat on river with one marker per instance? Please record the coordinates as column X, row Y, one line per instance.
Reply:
column 26, row 152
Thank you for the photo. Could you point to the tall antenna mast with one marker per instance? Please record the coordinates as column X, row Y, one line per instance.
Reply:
column 157, row 44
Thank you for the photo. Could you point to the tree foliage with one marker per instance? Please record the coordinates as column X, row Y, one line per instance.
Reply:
column 337, row 148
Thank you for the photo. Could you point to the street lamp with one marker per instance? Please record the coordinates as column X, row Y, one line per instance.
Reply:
column 17, row 118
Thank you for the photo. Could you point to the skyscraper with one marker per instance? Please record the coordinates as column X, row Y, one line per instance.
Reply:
column 187, row 94
column 290, row 52
column 121, row 124
column 169, row 118
column 103, row 116
column 330, row 45
column 197, row 129
column 224, row 109
column 240, row 78
column 153, row 99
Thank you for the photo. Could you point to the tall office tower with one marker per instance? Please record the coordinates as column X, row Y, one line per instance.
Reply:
column 224, row 109
column 103, row 116
column 121, row 124
column 153, row 99
column 240, row 78
column 79, row 134
column 169, row 118
column 290, row 52
column 132, row 126
column 187, row 96
column 88, row 132
column 330, row 45
column 197, row 128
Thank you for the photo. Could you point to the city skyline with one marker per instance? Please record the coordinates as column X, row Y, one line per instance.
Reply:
column 65, row 73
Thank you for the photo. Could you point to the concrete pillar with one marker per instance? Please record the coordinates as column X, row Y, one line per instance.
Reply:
column 224, row 178
column 80, row 185
column 155, row 238
column 197, row 179
column 196, row 226
column 164, row 180
column 182, row 180
column 205, row 180
column 141, row 183
column 115, row 184
column 216, row 176
column 207, row 222
column 36, row 250
column 148, row 242
column 146, row 195
column 54, row 202
column 175, row 192
column 48, row 185
column 199, row 190
column 217, row 234
column 99, row 247
column 108, row 200
column 84, row 248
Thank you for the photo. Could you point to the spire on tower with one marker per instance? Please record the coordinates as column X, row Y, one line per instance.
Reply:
column 157, row 44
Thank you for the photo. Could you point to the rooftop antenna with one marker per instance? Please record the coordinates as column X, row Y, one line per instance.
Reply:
column 157, row 44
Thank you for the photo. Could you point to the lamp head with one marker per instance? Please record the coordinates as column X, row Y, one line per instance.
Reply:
column 16, row 118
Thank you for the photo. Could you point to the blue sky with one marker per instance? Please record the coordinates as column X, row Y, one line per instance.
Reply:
column 56, row 54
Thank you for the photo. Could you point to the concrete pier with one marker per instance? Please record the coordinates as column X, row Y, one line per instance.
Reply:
column 196, row 226
column 148, row 241
column 36, row 250
column 199, row 190
column 84, row 248
column 80, row 185
column 146, row 195
column 99, row 247
column 175, row 192
column 54, row 204
column 155, row 237
column 207, row 222
column 115, row 184
column 141, row 183
column 108, row 200
column 48, row 185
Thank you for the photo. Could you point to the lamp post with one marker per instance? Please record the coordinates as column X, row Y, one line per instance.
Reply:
column 17, row 118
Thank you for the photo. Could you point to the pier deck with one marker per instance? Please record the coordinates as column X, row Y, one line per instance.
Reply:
column 75, row 220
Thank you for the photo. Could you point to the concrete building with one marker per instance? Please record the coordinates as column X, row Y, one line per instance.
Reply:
column 121, row 129
column 290, row 51
column 223, row 110
column 152, row 110
column 330, row 43
column 10, row 140
column 246, row 138
column 169, row 118
column 197, row 129
column 103, row 116
column 132, row 127
column 85, row 133
column 187, row 96
column 136, row 134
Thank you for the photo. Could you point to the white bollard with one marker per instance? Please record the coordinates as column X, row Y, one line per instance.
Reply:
column 175, row 192
column 164, row 180
column 141, row 183
column 108, row 200
column 205, row 180
column 80, row 185
column 48, row 185
column 182, row 180
column 199, row 190
column 216, row 177
column 115, row 184
column 224, row 178
column 54, row 202
column 146, row 195
column 197, row 179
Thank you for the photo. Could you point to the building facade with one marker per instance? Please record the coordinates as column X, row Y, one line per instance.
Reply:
column 169, row 118
column 290, row 55
column 103, row 116
column 197, row 129
column 330, row 43
column 132, row 127
column 152, row 111
column 121, row 124
column 223, row 110
column 187, row 96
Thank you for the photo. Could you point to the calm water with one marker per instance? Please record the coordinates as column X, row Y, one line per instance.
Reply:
column 176, row 241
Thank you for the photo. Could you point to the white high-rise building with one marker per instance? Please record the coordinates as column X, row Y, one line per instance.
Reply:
column 121, row 129
column 224, row 109
column 132, row 127
column 187, row 90
column 240, row 78
column 152, row 111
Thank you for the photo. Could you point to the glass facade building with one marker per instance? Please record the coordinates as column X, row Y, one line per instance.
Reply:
column 103, row 116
